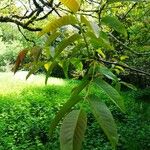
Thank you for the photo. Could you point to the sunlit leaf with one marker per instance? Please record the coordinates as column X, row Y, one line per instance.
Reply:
column 73, row 5
column 91, row 25
column 120, row 68
column 72, row 130
column 101, row 53
column 50, row 69
column 123, row 57
column 57, row 23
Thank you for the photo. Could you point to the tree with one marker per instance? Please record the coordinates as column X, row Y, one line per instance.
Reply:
column 92, row 44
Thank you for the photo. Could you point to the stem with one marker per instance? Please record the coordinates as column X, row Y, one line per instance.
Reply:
column 84, row 37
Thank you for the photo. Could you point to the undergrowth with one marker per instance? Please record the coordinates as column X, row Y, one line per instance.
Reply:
column 27, row 108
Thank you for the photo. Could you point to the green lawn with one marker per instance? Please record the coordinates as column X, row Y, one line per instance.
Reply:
column 27, row 108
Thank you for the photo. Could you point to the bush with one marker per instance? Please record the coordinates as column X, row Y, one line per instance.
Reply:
column 8, row 54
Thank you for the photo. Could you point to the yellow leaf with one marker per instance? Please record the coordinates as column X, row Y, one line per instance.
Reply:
column 101, row 53
column 47, row 65
column 73, row 5
column 117, row 71
column 123, row 57
column 120, row 68
column 57, row 23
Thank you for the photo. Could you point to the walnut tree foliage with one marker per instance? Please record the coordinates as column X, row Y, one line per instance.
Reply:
column 95, row 37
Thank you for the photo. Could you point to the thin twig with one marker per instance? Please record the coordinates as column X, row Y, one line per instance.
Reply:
column 27, row 39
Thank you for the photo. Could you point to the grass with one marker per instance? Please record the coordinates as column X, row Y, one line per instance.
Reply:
column 27, row 108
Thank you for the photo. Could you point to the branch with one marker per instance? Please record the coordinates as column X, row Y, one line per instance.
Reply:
column 129, row 11
column 7, row 19
column 130, row 49
column 124, row 66
column 28, row 40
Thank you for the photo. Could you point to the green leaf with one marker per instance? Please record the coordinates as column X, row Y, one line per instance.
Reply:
column 52, row 38
column 113, row 1
column 104, row 118
column 34, row 68
column 63, row 111
column 76, row 90
column 105, row 71
column 63, row 44
column 129, row 85
column 72, row 130
column 111, row 92
column 65, row 67
column 115, row 24
column 74, row 99
column 77, row 64
column 73, row 5
column 57, row 23
column 91, row 25
column 99, row 42
column 77, row 49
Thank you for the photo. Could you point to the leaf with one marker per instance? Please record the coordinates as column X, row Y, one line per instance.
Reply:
column 76, row 90
column 57, row 23
column 99, row 42
column 20, row 59
column 104, row 118
column 63, row 44
column 115, row 24
column 65, row 66
column 52, row 38
column 73, row 5
column 49, row 50
column 105, row 71
column 72, row 130
column 123, row 57
column 77, row 48
column 101, row 53
column 50, row 69
column 34, row 68
column 91, row 25
column 77, row 63
column 36, row 52
column 120, row 68
column 111, row 92
column 129, row 85
column 73, row 100
column 113, row 1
